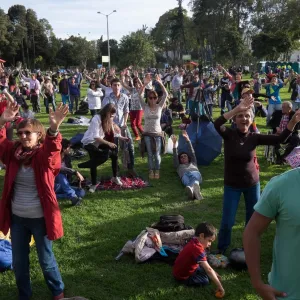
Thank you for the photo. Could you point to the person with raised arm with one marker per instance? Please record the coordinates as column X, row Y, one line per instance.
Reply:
column 241, row 170
column 28, row 205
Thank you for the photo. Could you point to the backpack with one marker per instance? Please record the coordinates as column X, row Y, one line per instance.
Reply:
column 170, row 223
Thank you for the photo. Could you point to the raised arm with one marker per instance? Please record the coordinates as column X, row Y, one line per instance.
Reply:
column 52, row 143
column 124, row 84
column 6, row 145
column 25, row 78
column 8, row 96
column 165, row 93
column 175, row 152
column 191, row 148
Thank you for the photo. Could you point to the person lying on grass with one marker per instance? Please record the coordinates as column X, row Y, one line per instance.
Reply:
column 186, row 167
column 191, row 267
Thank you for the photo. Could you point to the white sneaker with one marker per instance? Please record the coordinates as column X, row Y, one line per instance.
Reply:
column 197, row 193
column 93, row 188
column 117, row 181
column 189, row 191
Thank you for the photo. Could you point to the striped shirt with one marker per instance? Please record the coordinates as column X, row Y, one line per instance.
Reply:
column 26, row 202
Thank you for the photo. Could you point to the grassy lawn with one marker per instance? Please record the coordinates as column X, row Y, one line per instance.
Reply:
column 96, row 231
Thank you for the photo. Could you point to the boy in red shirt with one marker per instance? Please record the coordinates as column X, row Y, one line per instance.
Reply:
column 191, row 266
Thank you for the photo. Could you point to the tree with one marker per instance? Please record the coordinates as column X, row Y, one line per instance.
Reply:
column 137, row 49
column 174, row 32
column 114, row 51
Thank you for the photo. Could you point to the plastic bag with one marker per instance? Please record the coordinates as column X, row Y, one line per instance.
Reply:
column 170, row 146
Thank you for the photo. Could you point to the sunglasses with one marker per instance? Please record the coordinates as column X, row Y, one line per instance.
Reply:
column 152, row 98
column 27, row 133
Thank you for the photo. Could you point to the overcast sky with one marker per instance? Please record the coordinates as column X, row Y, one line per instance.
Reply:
column 70, row 17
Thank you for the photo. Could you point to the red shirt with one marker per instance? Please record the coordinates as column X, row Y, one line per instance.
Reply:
column 188, row 259
column 3, row 104
column 46, row 164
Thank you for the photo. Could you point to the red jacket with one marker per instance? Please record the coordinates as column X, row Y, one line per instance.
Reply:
column 46, row 164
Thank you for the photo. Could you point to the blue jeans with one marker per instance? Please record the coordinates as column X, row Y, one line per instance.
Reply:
column 191, row 177
column 47, row 101
column 226, row 99
column 199, row 278
column 154, row 159
column 230, row 205
column 271, row 109
column 64, row 190
column 65, row 99
column 21, row 231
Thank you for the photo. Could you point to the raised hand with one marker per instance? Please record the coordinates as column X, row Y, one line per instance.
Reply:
column 296, row 116
column 56, row 117
column 157, row 78
column 245, row 104
column 9, row 113
column 174, row 138
column 185, row 135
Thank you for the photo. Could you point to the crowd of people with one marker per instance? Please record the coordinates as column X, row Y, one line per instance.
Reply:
column 39, row 168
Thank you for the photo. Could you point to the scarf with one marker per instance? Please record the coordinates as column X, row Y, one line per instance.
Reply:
column 25, row 157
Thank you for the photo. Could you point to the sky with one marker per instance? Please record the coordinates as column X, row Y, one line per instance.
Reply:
column 73, row 17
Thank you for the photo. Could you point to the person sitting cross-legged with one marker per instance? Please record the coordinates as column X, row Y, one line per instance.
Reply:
column 62, row 186
column 186, row 166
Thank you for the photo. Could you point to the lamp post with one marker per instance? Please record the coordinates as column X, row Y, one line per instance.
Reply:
column 108, row 48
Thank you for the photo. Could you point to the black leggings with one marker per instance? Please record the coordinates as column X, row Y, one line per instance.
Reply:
column 99, row 156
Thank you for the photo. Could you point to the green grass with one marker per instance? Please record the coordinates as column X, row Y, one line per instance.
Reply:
column 96, row 231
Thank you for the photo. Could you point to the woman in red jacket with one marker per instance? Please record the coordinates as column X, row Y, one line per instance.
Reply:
column 28, row 205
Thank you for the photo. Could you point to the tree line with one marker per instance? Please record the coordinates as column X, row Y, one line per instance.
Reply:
column 227, row 31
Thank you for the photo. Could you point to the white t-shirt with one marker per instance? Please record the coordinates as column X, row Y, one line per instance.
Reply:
column 94, row 100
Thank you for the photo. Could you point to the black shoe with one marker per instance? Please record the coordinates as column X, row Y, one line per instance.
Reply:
column 132, row 173
column 76, row 201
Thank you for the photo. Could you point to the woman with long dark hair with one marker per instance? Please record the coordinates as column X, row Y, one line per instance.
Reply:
column 28, row 205
column 99, row 141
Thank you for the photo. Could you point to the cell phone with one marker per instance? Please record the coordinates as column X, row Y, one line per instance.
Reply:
column 2, row 87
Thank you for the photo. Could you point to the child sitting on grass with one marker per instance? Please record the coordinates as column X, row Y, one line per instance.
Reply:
column 191, row 267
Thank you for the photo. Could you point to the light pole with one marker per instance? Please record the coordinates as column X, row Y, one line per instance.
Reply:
column 108, row 48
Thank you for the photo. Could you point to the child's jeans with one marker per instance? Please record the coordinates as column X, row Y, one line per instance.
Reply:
column 199, row 278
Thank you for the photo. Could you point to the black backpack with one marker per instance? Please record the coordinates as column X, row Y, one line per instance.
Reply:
column 170, row 223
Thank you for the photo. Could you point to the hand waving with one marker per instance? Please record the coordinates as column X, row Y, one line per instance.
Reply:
column 245, row 104
column 10, row 112
column 56, row 117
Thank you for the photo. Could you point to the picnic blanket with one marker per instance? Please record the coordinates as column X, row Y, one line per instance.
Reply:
column 129, row 183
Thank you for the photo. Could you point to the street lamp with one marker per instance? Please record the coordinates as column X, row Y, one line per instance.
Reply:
column 108, row 48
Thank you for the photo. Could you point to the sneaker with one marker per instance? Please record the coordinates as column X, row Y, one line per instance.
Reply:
column 76, row 201
column 117, row 181
column 197, row 193
column 151, row 174
column 189, row 192
column 156, row 174
column 93, row 188
column 60, row 296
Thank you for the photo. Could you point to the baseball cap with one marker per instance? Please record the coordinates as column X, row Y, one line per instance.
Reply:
column 247, row 90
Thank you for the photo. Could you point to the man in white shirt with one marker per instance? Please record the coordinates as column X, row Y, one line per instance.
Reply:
column 176, row 84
